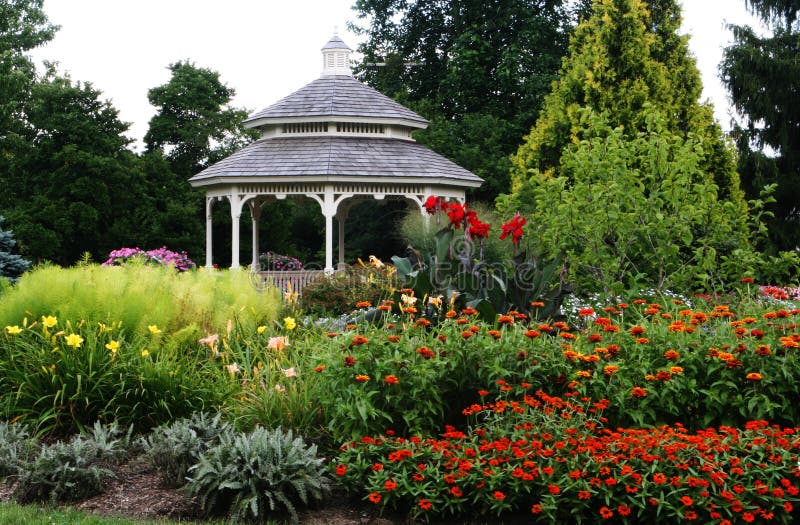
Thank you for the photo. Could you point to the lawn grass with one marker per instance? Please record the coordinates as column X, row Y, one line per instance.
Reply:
column 38, row 515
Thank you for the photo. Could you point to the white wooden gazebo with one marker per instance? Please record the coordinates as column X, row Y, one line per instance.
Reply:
column 336, row 141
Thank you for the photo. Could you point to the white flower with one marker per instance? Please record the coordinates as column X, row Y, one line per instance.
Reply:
column 289, row 372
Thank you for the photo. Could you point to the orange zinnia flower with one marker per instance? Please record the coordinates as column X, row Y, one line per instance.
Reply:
column 391, row 379
column 362, row 378
column 375, row 498
column 754, row 376
column 638, row 391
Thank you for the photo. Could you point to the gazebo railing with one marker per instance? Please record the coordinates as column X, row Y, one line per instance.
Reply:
column 297, row 279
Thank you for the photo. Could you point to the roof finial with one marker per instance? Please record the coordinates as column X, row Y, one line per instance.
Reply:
column 335, row 30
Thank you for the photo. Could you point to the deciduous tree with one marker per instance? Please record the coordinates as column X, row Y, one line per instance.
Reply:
column 478, row 70
column 194, row 126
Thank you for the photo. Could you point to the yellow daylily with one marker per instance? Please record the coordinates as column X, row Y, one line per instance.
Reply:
column 153, row 329
column 13, row 330
column 289, row 323
column 261, row 329
column 145, row 352
column 113, row 346
column 74, row 340
column 49, row 321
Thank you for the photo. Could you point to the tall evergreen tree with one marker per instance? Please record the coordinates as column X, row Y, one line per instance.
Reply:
column 478, row 70
column 762, row 74
column 629, row 78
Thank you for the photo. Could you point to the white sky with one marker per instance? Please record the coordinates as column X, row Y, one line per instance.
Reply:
column 264, row 49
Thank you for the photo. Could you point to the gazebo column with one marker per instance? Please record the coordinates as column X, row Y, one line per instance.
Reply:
column 341, row 218
column 255, row 213
column 209, row 224
column 329, row 211
column 236, row 215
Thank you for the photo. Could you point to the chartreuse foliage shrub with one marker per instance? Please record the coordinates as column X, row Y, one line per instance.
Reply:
column 249, row 476
column 554, row 459
column 59, row 376
column 139, row 296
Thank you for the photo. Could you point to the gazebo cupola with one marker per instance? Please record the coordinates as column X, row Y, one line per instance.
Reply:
column 336, row 141
column 336, row 57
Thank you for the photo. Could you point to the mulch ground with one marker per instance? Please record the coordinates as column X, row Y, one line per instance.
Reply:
column 138, row 493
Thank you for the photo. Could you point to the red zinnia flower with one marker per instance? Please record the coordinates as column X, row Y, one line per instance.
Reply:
column 638, row 391
column 554, row 489
column 499, row 496
column 456, row 491
column 624, row 510
column 341, row 470
column 390, row 485
column 584, row 494
column 425, row 352
column 606, row 513
column 375, row 498
column 391, row 379
column 536, row 508
column 686, row 500
column 425, row 504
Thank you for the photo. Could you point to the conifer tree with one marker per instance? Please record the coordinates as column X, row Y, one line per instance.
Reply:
column 11, row 265
column 629, row 79
column 622, row 58
column 762, row 73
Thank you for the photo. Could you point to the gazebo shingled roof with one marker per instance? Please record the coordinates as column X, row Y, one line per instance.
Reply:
column 336, row 96
column 334, row 140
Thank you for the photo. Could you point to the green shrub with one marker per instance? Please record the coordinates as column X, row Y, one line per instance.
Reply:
column 139, row 296
column 264, row 471
column 338, row 294
column 67, row 471
column 16, row 447
column 174, row 448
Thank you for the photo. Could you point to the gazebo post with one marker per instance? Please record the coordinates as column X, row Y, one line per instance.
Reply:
column 341, row 217
column 209, row 230
column 328, row 210
column 236, row 215
column 255, row 213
